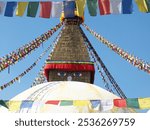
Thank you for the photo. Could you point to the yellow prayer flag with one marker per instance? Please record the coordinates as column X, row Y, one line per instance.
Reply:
column 80, row 4
column 14, row 105
column 81, row 103
column 144, row 103
column 21, row 8
column 142, row 5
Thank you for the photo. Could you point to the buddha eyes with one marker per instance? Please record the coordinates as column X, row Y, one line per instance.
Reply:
column 75, row 74
column 62, row 74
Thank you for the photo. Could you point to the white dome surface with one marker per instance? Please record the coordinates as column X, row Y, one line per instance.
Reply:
column 63, row 90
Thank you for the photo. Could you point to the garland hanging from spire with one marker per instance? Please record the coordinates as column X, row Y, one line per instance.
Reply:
column 106, row 84
column 19, row 54
column 125, row 55
column 26, row 71
column 41, row 77
column 110, row 77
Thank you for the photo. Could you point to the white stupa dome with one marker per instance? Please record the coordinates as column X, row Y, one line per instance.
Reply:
column 63, row 90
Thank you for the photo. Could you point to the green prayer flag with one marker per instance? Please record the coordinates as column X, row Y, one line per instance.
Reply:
column 66, row 103
column 92, row 7
column 132, row 102
column 32, row 9
column 148, row 4
column 2, row 103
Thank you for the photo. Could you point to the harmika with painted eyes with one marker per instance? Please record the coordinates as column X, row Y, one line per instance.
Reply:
column 69, row 75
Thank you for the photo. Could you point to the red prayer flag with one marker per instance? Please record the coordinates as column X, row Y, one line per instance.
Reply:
column 53, row 102
column 120, row 103
column 45, row 9
column 104, row 6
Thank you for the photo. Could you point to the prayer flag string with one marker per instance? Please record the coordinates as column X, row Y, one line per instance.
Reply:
column 135, row 61
column 98, row 104
column 41, row 77
column 26, row 71
column 19, row 54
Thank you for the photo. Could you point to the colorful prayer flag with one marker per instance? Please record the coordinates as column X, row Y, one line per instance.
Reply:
column 106, row 105
column 21, row 8
column 10, row 8
column 120, row 103
column 95, row 103
column 26, row 104
column 81, row 103
column 92, row 7
column 53, row 102
column 56, row 9
column 2, row 103
column 66, row 103
column 2, row 5
column 69, row 9
column 127, row 6
column 132, row 103
column 104, row 7
column 45, row 9
column 148, row 5
column 142, row 5
column 14, row 106
column 144, row 103
column 32, row 9
column 80, row 5
column 116, row 6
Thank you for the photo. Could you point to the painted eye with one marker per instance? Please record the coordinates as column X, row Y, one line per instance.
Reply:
column 77, row 74
column 58, row 74
column 62, row 74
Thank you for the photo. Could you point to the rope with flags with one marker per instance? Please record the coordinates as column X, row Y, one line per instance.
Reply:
column 100, row 105
column 54, row 9
column 106, row 82
column 41, row 77
column 26, row 71
column 110, row 77
column 22, row 52
column 136, row 62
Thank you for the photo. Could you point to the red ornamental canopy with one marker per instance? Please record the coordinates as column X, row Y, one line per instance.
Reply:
column 72, row 67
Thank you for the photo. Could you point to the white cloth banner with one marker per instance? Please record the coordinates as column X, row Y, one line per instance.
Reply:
column 116, row 6
column 106, row 105
column 2, row 5
column 56, row 9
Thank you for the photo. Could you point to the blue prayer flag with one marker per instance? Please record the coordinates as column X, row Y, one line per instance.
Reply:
column 69, row 9
column 10, row 8
column 127, row 6
column 95, row 103
column 26, row 104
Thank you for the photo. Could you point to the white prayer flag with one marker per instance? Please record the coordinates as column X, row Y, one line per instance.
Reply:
column 106, row 105
column 116, row 6
column 56, row 9
column 2, row 5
